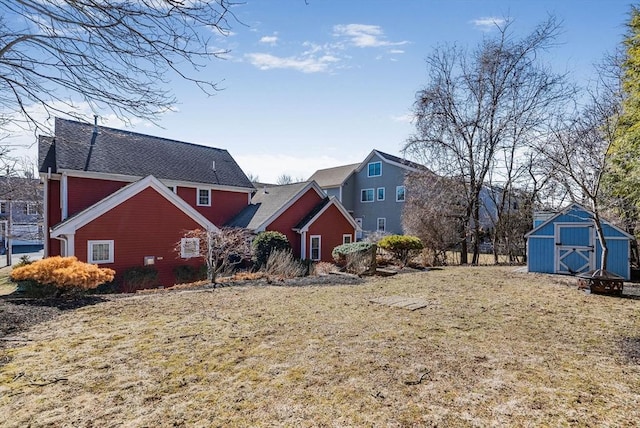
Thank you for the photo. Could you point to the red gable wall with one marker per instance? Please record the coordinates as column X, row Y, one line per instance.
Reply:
column 84, row 192
column 293, row 215
column 224, row 204
column 145, row 225
column 331, row 225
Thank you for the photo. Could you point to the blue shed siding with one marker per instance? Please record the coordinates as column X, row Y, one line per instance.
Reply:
column 579, row 231
column 537, row 255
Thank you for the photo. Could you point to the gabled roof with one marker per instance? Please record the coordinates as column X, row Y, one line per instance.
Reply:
column 394, row 160
column 267, row 204
column 566, row 210
column 91, row 213
column 319, row 209
column 333, row 177
column 75, row 147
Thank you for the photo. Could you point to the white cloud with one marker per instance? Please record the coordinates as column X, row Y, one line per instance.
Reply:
column 305, row 64
column 488, row 23
column 364, row 36
column 269, row 40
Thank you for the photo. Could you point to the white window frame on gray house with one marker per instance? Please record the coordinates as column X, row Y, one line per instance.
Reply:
column 373, row 195
column 100, row 251
column 384, row 224
column 398, row 193
column 189, row 248
column 380, row 193
column 3, row 207
column 31, row 209
column 313, row 249
column 371, row 169
column 200, row 197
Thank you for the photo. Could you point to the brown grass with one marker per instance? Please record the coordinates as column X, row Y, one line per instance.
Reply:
column 493, row 348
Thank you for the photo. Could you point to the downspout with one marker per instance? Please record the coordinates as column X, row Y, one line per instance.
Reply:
column 45, row 215
column 63, row 196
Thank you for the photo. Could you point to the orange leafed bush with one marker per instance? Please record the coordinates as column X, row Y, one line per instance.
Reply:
column 63, row 273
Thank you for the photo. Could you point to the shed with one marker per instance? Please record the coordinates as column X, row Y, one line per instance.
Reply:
column 567, row 243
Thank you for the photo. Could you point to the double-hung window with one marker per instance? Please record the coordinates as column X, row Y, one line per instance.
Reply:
column 204, row 198
column 374, row 169
column 366, row 195
column 315, row 247
column 100, row 251
column 380, row 193
column 382, row 224
column 400, row 194
column 189, row 247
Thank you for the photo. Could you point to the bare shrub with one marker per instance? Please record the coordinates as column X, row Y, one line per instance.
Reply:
column 282, row 264
column 324, row 268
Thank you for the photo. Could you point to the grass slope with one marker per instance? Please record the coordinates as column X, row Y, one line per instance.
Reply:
column 492, row 347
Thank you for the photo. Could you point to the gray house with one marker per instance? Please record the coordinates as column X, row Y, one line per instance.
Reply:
column 20, row 214
column 372, row 191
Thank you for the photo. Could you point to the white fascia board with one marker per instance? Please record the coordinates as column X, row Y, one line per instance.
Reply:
column 385, row 160
column 332, row 202
column 99, row 208
column 310, row 185
column 167, row 182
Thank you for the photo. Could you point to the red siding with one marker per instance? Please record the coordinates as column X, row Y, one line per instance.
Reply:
column 293, row 215
column 224, row 204
column 331, row 225
column 84, row 192
column 145, row 225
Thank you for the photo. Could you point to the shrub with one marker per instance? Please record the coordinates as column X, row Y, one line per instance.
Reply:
column 324, row 268
column 282, row 264
column 356, row 257
column 401, row 246
column 188, row 273
column 265, row 243
column 138, row 278
column 63, row 273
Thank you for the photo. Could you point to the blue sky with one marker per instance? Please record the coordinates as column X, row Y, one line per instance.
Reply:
column 320, row 84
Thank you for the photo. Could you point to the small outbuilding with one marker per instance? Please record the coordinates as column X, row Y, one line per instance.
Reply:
column 567, row 243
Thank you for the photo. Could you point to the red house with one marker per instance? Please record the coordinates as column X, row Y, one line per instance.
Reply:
column 122, row 200
column 313, row 223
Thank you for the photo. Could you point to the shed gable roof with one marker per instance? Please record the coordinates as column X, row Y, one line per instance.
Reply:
column 582, row 214
column 333, row 177
column 393, row 160
column 320, row 209
column 75, row 147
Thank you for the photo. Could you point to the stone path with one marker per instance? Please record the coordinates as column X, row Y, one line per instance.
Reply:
column 410, row 303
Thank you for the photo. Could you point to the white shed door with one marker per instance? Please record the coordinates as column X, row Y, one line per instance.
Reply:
column 574, row 248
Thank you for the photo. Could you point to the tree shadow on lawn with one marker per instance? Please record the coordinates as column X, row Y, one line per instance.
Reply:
column 18, row 313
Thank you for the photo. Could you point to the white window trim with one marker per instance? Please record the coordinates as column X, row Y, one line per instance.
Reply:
column 319, row 247
column 384, row 193
column 90, row 245
column 187, row 255
column 373, row 194
column 345, row 237
column 208, row 204
column 384, row 222
column 369, row 169
column 5, row 205
column 404, row 193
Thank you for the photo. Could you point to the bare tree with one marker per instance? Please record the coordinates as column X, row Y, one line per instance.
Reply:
column 111, row 54
column 478, row 105
column 222, row 249
column 434, row 213
column 578, row 152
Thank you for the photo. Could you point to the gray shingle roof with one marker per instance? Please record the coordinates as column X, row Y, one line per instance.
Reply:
column 117, row 151
column 333, row 177
column 264, row 204
column 399, row 160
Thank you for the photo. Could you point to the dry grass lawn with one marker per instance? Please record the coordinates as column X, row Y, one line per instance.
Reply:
column 493, row 347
